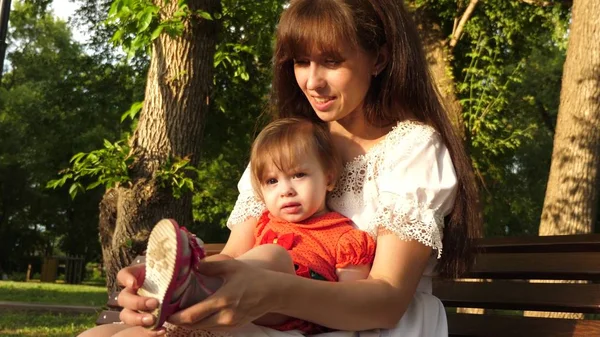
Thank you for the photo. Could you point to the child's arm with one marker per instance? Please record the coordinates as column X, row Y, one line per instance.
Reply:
column 353, row 273
column 241, row 239
column 354, row 256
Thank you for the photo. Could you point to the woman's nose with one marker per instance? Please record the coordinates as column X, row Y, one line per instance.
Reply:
column 315, row 78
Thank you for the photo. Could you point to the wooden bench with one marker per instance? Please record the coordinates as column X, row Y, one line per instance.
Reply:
column 503, row 267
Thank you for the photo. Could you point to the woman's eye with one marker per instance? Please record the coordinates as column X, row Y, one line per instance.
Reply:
column 271, row 181
column 332, row 62
column 301, row 62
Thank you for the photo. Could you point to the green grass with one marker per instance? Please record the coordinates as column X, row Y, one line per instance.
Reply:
column 24, row 324
column 66, row 294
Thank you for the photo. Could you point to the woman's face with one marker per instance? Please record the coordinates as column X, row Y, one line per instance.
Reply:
column 335, row 88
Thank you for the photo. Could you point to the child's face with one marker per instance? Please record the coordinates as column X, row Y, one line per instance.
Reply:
column 298, row 194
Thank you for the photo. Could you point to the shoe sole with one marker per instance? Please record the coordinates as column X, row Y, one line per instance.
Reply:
column 161, row 266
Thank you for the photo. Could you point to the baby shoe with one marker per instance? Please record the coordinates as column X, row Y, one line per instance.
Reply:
column 172, row 256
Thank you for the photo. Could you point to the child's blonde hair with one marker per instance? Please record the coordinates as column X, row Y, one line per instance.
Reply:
column 286, row 142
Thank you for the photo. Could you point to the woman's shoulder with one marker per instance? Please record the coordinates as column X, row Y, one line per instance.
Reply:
column 410, row 132
column 406, row 138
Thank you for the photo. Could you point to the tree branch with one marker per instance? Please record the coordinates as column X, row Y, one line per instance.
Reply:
column 463, row 20
column 543, row 3
column 537, row 2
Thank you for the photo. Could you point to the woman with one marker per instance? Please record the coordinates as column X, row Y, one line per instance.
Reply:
column 358, row 66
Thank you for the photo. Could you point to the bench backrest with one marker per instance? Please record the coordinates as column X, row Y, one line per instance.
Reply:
column 502, row 274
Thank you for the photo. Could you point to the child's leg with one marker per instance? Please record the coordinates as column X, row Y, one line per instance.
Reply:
column 272, row 257
column 106, row 330
column 136, row 331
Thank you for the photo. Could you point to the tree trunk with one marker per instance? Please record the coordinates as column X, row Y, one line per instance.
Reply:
column 571, row 201
column 570, row 205
column 170, row 126
column 439, row 59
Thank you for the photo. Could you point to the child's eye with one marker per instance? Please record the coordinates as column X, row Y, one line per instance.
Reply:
column 299, row 175
column 271, row 181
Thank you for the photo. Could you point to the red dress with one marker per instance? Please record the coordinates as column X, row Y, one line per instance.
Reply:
column 318, row 246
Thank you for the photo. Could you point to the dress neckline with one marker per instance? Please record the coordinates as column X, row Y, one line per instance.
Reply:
column 381, row 143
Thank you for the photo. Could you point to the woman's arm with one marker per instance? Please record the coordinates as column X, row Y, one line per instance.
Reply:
column 240, row 240
column 378, row 302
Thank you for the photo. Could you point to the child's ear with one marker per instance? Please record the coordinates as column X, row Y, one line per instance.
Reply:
column 330, row 182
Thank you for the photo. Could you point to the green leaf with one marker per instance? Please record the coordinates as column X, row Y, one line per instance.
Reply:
column 145, row 21
column 204, row 15
column 156, row 32
column 74, row 189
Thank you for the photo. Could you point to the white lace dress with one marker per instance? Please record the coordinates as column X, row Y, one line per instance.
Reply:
column 405, row 184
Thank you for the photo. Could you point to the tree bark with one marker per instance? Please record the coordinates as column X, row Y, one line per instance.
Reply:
column 570, row 205
column 170, row 125
column 571, row 202
column 439, row 58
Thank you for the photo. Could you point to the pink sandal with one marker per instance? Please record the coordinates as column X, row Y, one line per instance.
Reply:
column 172, row 255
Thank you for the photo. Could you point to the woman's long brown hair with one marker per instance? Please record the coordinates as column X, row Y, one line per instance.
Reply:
column 404, row 89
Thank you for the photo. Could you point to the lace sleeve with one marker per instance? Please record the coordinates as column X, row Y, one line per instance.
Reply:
column 417, row 189
column 247, row 204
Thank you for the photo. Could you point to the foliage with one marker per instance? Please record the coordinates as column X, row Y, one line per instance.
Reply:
column 176, row 174
column 53, row 99
column 107, row 166
column 138, row 22
column 507, row 68
column 242, row 64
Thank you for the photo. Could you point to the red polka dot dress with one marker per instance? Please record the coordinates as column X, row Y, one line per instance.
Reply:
column 318, row 246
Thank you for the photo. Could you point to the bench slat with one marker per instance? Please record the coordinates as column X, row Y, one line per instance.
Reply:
column 583, row 298
column 541, row 244
column 108, row 317
column 467, row 325
column 558, row 266
column 112, row 300
column 213, row 248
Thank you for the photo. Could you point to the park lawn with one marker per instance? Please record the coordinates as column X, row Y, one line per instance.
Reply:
column 52, row 293
column 26, row 324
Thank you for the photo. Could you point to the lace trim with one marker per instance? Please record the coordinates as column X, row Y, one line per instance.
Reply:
column 409, row 220
column 366, row 168
column 247, row 205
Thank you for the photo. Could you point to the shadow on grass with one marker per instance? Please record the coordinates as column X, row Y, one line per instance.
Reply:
column 53, row 294
column 25, row 324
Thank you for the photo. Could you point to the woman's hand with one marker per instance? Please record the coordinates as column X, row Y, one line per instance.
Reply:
column 132, row 278
column 247, row 294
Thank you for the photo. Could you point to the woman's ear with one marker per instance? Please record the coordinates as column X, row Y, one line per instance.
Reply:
column 381, row 60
